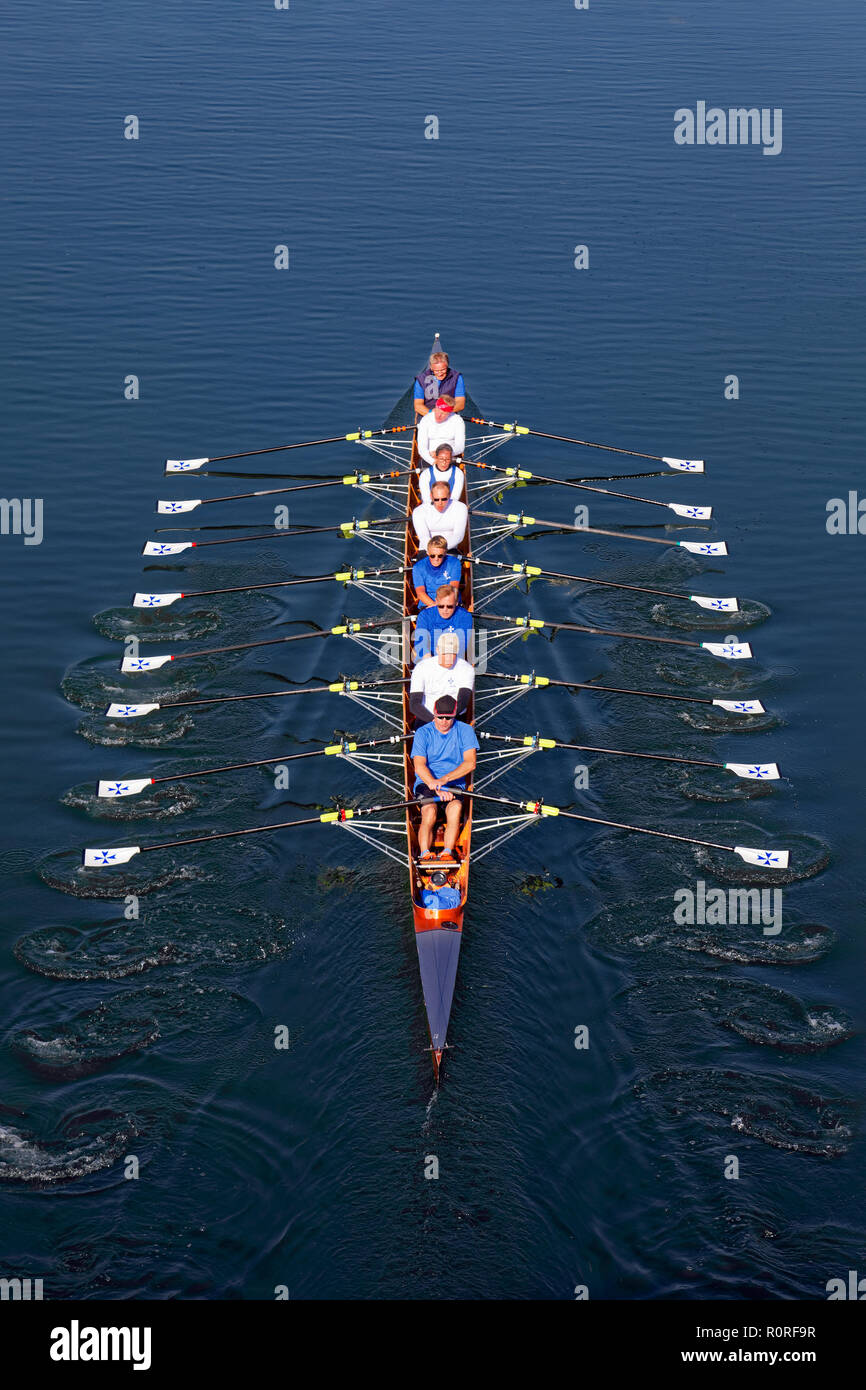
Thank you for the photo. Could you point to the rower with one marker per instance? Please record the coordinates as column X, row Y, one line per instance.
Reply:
column 438, row 378
column 447, row 615
column 443, row 754
column 441, row 426
column 443, row 469
column 446, row 673
column 441, row 516
column 434, row 569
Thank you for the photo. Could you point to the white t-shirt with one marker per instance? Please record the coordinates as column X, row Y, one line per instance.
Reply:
column 456, row 484
column 432, row 433
column 434, row 679
column 449, row 523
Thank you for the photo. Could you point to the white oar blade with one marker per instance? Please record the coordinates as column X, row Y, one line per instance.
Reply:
column 128, row 711
column 685, row 465
column 764, row 858
column 730, row 651
column 184, row 465
column 154, row 600
column 166, row 547
column 704, row 547
column 741, row 706
column 758, row 772
column 720, row 605
column 132, row 665
column 124, row 788
column 106, row 858
column 172, row 508
column 695, row 513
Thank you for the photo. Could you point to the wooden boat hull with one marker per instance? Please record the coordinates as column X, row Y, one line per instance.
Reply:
column 438, row 931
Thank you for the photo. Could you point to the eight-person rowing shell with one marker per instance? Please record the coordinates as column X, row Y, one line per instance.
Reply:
column 438, row 378
column 443, row 755
column 446, row 673
column 441, row 425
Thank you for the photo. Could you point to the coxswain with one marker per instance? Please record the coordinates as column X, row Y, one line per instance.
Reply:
column 446, row 673
column 434, row 569
column 446, row 615
column 441, row 516
column 438, row 378
column 443, row 754
column 443, row 469
column 441, row 425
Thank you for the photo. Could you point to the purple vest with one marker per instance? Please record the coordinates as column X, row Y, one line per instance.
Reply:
column 433, row 388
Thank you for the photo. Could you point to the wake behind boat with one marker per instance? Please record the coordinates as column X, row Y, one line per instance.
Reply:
column 414, row 826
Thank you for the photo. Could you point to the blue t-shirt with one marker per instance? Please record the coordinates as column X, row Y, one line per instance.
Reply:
column 433, row 576
column 443, row 752
column 431, row 623
column 459, row 389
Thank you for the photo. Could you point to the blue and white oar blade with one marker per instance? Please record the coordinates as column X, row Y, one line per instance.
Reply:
column 107, row 858
column 118, row 711
column 741, row 706
column 685, row 465
column 118, row 788
column 154, row 600
column 166, row 547
column 184, row 465
column 758, row 772
column 694, row 513
column 764, row 858
column 719, row 605
column 704, row 547
column 173, row 508
column 730, row 651
column 132, row 665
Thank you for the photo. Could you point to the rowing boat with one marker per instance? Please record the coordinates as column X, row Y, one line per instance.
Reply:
column 488, row 820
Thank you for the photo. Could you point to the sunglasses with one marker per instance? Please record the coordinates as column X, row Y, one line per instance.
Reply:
column 449, row 607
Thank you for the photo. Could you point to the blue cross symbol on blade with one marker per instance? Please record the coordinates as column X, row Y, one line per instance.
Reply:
column 768, row 858
column 138, row 665
column 758, row 771
column 717, row 603
column 707, row 549
column 118, row 789
column 729, row 651
column 174, row 506
column 126, row 709
column 151, row 601
column 106, row 857
column 743, row 706
column 693, row 511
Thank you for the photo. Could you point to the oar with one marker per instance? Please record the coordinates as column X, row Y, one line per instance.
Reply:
column 133, row 786
column 521, row 475
column 345, row 480
column 126, row 711
column 756, row 771
column 190, row 465
column 683, row 465
column 135, row 664
column 535, row 682
column 141, row 600
column 514, row 519
column 348, row 528
column 730, row 651
column 762, row 858
column 721, row 605
column 108, row 858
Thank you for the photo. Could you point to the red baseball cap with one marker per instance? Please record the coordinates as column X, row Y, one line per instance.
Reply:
column 441, row 405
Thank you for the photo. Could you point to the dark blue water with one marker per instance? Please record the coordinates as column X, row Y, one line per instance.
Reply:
column 154, row 1037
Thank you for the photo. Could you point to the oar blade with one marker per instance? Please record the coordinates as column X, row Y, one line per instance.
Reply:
column 119, row 711
column 681, row 465
column 184, row 465
column 174, row 508
column 166, row 547
column 741, row 706
column 764, row 858
column 718, row 605
column 729, row 651
column 107, row 858
column 154, row 600
column 704, row 547
column 132, row 665
column 118, row 788
column 757, row 772
column 693, row 513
